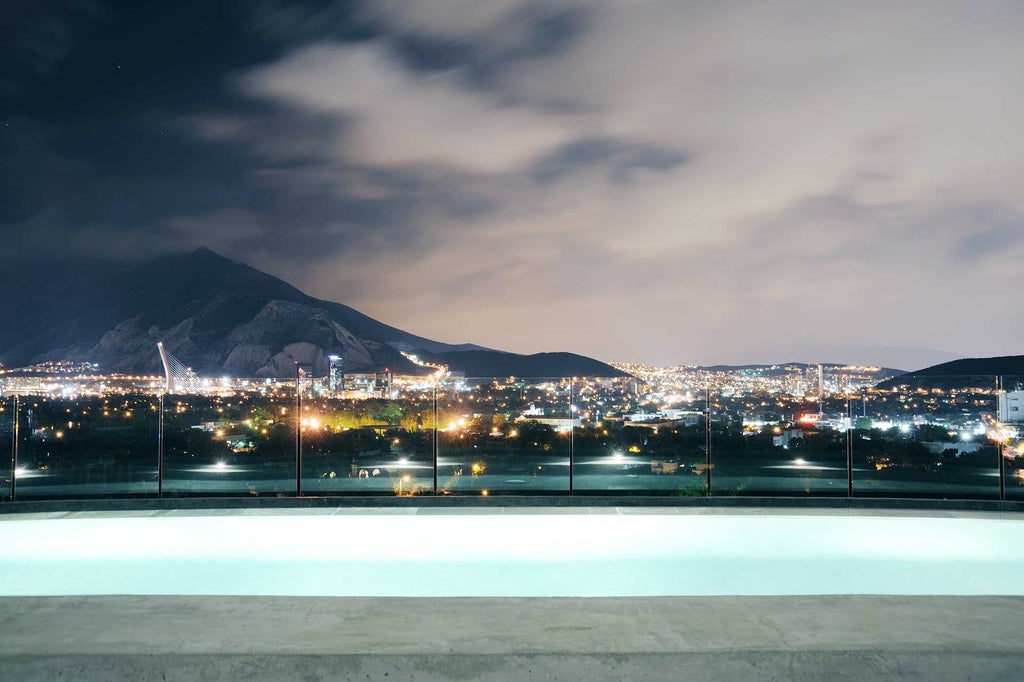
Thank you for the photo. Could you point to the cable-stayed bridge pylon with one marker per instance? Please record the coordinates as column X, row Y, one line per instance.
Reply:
column 180, row 379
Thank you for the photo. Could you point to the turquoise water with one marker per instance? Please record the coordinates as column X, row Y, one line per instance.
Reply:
column 531, row 554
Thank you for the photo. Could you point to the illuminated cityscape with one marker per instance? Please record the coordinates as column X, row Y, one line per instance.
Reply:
column 786, row 429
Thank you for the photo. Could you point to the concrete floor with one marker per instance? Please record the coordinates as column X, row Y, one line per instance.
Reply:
column 722, row 638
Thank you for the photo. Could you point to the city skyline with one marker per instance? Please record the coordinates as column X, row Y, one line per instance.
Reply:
column 640, row 182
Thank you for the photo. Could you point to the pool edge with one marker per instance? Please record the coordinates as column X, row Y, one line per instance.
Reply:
column 509, row 501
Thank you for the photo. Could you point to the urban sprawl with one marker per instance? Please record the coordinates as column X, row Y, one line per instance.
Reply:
column 682, row 430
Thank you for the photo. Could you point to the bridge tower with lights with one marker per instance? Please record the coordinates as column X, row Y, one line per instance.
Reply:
column 180, row 379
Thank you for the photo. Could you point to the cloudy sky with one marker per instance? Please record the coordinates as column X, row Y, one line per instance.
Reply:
column 657, row 181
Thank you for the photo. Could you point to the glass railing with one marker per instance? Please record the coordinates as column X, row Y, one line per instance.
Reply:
column 376, row 446
column 643, row 452
column 928, row 442
column 1011, row 436
column 952, row 437
column 500, row 436
column 91, row 447
column 760, row 448
column 7, row 463
column 228, row 446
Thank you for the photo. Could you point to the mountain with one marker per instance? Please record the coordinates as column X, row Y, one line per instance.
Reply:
column 219, row 317
column 878, row 356
column 962, row 373
column 483, row 363
column 787, row 368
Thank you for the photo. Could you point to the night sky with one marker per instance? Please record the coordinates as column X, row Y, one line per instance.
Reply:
column 671, row 182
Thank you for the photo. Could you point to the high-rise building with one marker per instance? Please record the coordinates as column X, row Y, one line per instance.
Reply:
column 382, row 383
column 335, row 374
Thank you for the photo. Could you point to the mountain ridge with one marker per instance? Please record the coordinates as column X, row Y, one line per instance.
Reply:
column 830, row 366
column 215, row 314
column 962, row 372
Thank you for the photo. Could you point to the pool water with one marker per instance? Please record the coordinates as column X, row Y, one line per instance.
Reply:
column 517, row 555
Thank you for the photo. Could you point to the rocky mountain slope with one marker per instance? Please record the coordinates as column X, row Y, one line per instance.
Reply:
column 217, row 316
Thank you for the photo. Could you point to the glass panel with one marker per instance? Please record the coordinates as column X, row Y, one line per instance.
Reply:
column 927, row 437
column 370, row 442
column 655, row 447
column 503, row 436
column 1010, row 413
column 236, row 444
column 779, row 444
column 87, row 446
column 6, row 446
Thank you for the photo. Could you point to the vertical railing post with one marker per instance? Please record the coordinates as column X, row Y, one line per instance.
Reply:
column 1002, row 444
column 707, row 439
column 14, row 453
column 298, row 430
column 160, row 451
column 572, row 435
column 435, row 438
column 849, row 448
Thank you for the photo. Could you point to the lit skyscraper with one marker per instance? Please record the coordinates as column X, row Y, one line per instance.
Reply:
column 335, row 374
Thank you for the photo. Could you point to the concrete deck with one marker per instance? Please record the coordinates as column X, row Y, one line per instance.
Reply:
column 722, row 638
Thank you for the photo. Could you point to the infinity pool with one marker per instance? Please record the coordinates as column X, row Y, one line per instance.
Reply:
column 532, row 553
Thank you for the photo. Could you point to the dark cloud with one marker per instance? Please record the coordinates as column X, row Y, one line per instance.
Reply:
column 1006, row 233
column 521, row 31
column 36, row 36
column 296, row 22
column 843, row 227
column 531, row 32
column 618, row 158
column 105, row 205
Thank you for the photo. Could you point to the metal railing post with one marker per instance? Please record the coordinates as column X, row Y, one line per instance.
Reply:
column 1002, row 444
column 14, row 453
column 572, row 436
column 435, row 439
column 298, row 430
column 707, row 440
column 849, row 449
column 160, row 452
